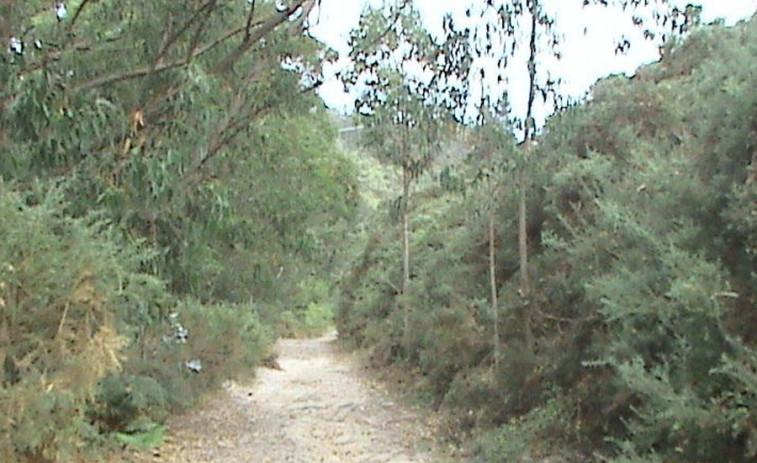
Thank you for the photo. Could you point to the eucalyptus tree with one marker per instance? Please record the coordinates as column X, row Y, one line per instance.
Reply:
column 409, row 85
column 146, row 108
column 505, row 34
column 494, row 148
column 137, row 60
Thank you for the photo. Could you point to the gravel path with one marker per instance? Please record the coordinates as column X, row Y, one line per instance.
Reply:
column 317, row 408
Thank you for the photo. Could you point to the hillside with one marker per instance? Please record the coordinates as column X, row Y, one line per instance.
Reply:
column 642, row 228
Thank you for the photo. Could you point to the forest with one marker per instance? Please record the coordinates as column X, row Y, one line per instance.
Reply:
column 175, row 196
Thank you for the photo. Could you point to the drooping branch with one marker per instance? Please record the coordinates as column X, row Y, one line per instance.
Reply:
column 235, row 124
column 78, row 12
column 261, row 31
column 147, row 70
column 198, row 32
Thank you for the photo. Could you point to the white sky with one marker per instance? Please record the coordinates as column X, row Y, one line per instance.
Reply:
column 586, row 57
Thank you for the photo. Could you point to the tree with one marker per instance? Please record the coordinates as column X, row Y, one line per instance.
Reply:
column 178, row 123
column 502, row 30
column 408, row 88
column 493, row 150
column 145, row 109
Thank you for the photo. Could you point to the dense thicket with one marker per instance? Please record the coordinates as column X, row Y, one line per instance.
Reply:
column 642, row 237
column 170, row 195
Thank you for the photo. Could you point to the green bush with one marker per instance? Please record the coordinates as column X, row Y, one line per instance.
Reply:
column 450, row 340
column 123, row 400
column 59, row 296
column 642, row 257
column 538, row 433
column 197, row 347
column 90, row 347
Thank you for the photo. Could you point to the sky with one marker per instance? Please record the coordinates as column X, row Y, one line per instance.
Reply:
column 588, row 45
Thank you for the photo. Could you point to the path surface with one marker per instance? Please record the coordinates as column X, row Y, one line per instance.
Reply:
column 318, row 408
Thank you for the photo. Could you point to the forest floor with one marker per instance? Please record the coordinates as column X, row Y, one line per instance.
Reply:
column 321, row 406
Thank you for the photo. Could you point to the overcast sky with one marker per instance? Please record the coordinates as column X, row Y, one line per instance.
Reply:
column 588, row 46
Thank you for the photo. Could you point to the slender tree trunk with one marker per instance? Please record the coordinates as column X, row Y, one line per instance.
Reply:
column 493, row 283
column 525, row 284
column 406, row 259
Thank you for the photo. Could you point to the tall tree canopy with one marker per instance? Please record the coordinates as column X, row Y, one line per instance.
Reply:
column 410, row 85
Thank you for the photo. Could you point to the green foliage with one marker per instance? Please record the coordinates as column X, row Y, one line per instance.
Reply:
column 149, row 439
column 60, row 295
column 185, row 138
column 643, row 253
column 123, row 399
column 165, row 170
column 312, row 309
column 539, row 432
column 89, row 345
column 223, row 340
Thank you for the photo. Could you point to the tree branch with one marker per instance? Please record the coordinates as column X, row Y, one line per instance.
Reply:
column 196, row 36
column 77, row 14
column 249, row 21
column 141, row 72
column 171, row 40
column 265, row 28
column 235, row 125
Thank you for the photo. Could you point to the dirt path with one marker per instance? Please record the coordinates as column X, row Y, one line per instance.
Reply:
column 316, row 409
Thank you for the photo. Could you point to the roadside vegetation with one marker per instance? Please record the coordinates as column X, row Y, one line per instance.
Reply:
column 639, row 344
column 174, row 196
column 169, row 191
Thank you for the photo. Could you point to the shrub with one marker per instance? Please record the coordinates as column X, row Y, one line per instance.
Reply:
column 59, row 281
column 123, row 400
column 89, row 346
column 193, row 349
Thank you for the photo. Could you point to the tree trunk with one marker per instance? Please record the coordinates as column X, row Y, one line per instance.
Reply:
column 530, row 126
column 406, row 259
column 525, row 284
column 493, row 283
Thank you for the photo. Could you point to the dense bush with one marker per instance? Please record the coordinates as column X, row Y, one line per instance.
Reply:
column 642, row 246
column 159, row 265
column 90, row 346
column 61, row 282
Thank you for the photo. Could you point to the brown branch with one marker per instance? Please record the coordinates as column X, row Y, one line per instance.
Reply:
column 235, row 125
column 77, row 14
column 196, row 36
column 265, row 28
column 249, row 21
column 306, row 10
column 141, row 72
column 55, row 55
column 40, row 64
column 171, row 40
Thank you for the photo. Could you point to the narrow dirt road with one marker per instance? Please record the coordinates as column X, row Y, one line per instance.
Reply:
column 317, row 408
